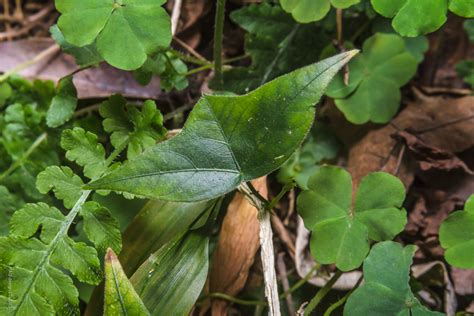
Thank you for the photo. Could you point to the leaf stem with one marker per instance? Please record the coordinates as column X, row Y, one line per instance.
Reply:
column 322, row 293
column 239, row 301
column 26, row 154
column 218, row 34
column 300, row 283
column 280, row 195
column 341, row 301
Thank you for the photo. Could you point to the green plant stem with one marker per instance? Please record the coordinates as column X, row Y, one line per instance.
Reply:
column 114, row 154
column 211, row 65
column 189, row 59
column 25, row 156
column 218, row 34
column 280, row 195
column 341, row 301
column 322, row 293
column 239, row 301
column 300, row 283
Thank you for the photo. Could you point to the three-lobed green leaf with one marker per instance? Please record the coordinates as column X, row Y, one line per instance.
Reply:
column 376, row 75
column 125, row 32
column 456, row 235
column 415, row 17
column 305, row 11
column 131, row 127
column 386, row 291
column 120, row 297
column 341, row 231
column 229, row 139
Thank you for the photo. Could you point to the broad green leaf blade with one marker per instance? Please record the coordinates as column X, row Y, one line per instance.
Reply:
column 413, row 17
column 63, row 104
column 120, row 296
column 229, row 139
column 305, row 11
column 170, row 281
column 63, row 182
column 124, row 32
column 155, row 225
column 100, row 227
column 383, row 293
column 341, row 232
column 84, row 148
column 456, row 235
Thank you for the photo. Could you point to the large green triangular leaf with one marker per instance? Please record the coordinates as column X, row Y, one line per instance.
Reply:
column 341, row 232
column 386, row 291
column 229, row 139
column 120, row 296
column 124, row 31
column 456, row 235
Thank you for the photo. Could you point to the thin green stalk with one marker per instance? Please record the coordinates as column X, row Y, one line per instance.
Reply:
column 211, row 65
column 322, row 293
column 239, row 301
column 341, row 301
column 300, row 283
column 25, row 156
column 280, row 195
column 218, row 34
column 189, row 59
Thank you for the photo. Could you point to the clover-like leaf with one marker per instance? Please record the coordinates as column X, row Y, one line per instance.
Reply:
column 85, row 56
column 376, row 75
column 63, row 182
column 120, row 297
column 84, row 148
column 456, row 235
column 125, row 32
column 100, row 227
column 341, row 232
column 229, row 139
column 63, row 104
column 386, row 290
column 415, row 17
column 305, row 11
column 128, row 125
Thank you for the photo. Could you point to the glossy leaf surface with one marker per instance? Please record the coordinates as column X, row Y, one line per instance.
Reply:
column 229, row 139
column 182, row 263
column 120, row 296
column 305, row 11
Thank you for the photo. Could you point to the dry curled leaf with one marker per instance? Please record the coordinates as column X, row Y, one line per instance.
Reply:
column 235, row 252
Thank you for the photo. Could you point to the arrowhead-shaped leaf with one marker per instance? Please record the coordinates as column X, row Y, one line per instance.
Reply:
column 120, row 296
column 457, row 237
column 125, row 32
column 341, row 232
column 386, row 291
column 229, row 139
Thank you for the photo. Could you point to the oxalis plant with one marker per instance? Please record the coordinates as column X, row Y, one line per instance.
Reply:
column 59, row 240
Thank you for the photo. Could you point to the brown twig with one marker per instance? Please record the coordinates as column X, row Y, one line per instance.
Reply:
column 284, row 281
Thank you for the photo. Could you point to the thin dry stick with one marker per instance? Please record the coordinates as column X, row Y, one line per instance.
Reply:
column 266, row 245
column 175, row 16
column 284, row 281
